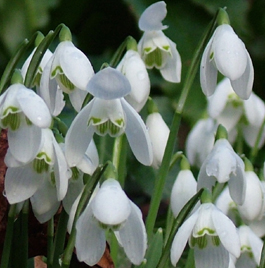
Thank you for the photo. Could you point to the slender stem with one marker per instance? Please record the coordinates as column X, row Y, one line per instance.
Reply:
column 163, row 171
column 8, row 237
column 190, row 260
column 24, row 235
column 262, row 259
column 119, row 158
column 254, row 150
column 87, row 192
column 50, row 235
column 60, row 238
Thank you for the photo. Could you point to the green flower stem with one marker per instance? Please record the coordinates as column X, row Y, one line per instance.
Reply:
column 119, row 52
column 190, row 260
column 87, row 192
column 254, row 150
column 162, row 173
column 38, row 55
column 8, row 237
column 177, row 223
column 119, row 158
column 262, row 259
column 175, row 158
column 114, row 248
column 59, row 240
column 50, row 235
column 14, row 61
column 24, row 235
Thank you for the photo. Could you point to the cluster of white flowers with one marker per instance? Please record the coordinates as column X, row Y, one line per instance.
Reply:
column 49, row 171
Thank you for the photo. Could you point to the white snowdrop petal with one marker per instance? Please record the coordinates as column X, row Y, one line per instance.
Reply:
column 172, row 70
column 78, row 136
column 133, row 236
column 137, row 135
column 44, row 202
column 21, row 183
column 25, row 143
column 34, row 107
column 77, row 98
column 243, row 85
column 109, row 84
column 229, row 52
column 111, row 206
column 211, row 256
column 158, row 132
column 151, row 18
column 208, row 72
column 226, row 231
column 256, row 244
column 90, row 238
column 76, row 66
column 183, row 189
column 181, row 238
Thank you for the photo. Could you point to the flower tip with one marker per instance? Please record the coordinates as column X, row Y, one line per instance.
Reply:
column 221, row 133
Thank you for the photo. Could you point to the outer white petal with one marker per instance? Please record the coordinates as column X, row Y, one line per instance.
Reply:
column 11, row 161
column 256, row 245
column 218, row 101
column 172, row 70
column 21, row 183
column 208, row 72
column 224, row 202
column 137, row 135
column 60, row 171
column 77, row 98
column 243, row 85
column 34, row 107
column 152, row 17
column 211, row 256
column 254, row 110
column 111, row 206
column 90, row 238
column 133, row 236
column 44, row 202
column 258, row 226
column 226, row 231
column 181, row 237
column 200, row 141
column 75, row 65
column 109, row 84
column 237, row 182
column 183, row 189
column 50, row 91
column 158, row 132
column 229, row 52
column 25, row 143
column 250, row 134
column 78, row 136
column 90, row 160
column 251, row 208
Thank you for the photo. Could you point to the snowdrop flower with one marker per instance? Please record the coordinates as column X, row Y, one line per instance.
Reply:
column 133, row 67
column 200, row 141
column 71, row 69
column 224, row 165
column 110, row 209
column 228, row 109
column 159, row 132
column 24, row 113
column 184, row 188
column 155, row 48
column 251, row 246
column 227, row 54
column 212, row 235
column 44, row 180
column 254, row 205
column 108, row 113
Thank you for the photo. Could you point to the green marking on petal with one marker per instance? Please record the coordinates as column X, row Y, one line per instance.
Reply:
column 29, row 123
column 52, row 179
column 11, row 118
column 40, row 166
column 216, row 240
column 147, row 49
column 211, row 56
column 94, row 120
column 156, row 58
column 120, row 122
column 57, row 70
column 206, row 231
column 167, row 48
column 66, row 82
column 44, row 156
column 201, row 241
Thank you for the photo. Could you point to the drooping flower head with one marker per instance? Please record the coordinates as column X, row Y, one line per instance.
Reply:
column 155, row 48
column 110, row 209
column 226, row 53
column 212, row 235
column 108, row 113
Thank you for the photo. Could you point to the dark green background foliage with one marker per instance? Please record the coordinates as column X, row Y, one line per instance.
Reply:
column 99, row 27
